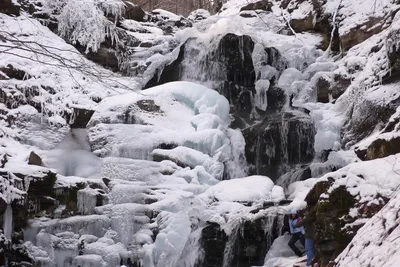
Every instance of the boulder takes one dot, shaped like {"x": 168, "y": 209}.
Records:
{"x": 259, "y": 5}
{"x": 322, "y": 84}
{"x": 80, "y": 117}
{"x": 235, "y": 53}
{"x": 275, "y": 59}
{"x": 34, "y": 159}
{"x": 11, "y": 97}
{"x": 276, "y": 98}
{"x": 9, "y": 7}
{"x": 298, "y": 174}
{"x": 380, "y": 148}
{"x": 133, "y": 11}
{"x": 328, "y": 204}
{"x": 314, "y": 20}
{"x": 339, "y": 85}
{"x": 254, "y": 241}
{"x": 303, "y": 24}
{"x": 106, "y": 57}
{"x": 89, "y": 198}
{"x": 14, "y": 254}
{"x": 38, "y": 198}
{"x": 14, "y": 73}
{"x": 248, "y": 14}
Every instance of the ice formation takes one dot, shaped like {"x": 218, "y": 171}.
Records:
{"x": 153, "y": 169}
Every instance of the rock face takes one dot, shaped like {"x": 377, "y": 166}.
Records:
{"x": 278, "y": 142}
{"x": 361, "y": 33}
{"x": 133, "y": 11}
{"x": 380, "y": 148}
{"x": 329, "y": 204}
{"x": 260, "y": 5}
{"x": 393, "y": 49}
{"x": 80, "y": 118}
{"x": 378, "y": 234}
{"x": 171, "y": 72}
{"x": 14, "y": 73}
{"x": 310, "y": 17}
{"x": 364, "y": 118}
{"x": 330, "y": 240}
{"x": 34, "y": 159}
{"x": 9, "y": 7}
{"x": 246, "y": 246}
{"x": 213, "y": 242}
{"x": 106, "y": 57}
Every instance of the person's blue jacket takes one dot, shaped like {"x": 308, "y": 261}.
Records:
{"x": 293, "y": 229}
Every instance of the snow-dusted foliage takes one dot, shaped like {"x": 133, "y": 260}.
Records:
{"x": 86, "y": 22}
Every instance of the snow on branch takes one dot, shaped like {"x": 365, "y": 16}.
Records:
{"x": 86, "y": 22}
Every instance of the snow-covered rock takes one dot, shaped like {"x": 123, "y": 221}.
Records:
{"x": 376, "y": 243}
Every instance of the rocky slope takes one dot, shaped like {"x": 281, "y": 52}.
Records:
{"x": 301, "y": 95}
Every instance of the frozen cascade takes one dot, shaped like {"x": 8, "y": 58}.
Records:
{"x": 281, "y": 142}
{"x": 168, "y": 246}
{"x": 87, "y": 201}
{"x": 296, "y": 174}
{"x": 73, "y": 157}
{"x": 273, "y": 225}
{"x": 236, "y": 167}
{"x": 8, "y": 222}
{"x": 243, "y": 246}
{"x": 229, "y": 252}
{"x": 199, "y": 65}
{"x": 193, "y": 253}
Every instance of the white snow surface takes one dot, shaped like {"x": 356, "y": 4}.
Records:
{"x": 253, "y": 188}
{"x": 376, "y": 243}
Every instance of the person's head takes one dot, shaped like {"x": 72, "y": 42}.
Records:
{"x": 293, "y": 213}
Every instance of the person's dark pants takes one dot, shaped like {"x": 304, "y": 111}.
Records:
{"x": 293, "y": 240}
